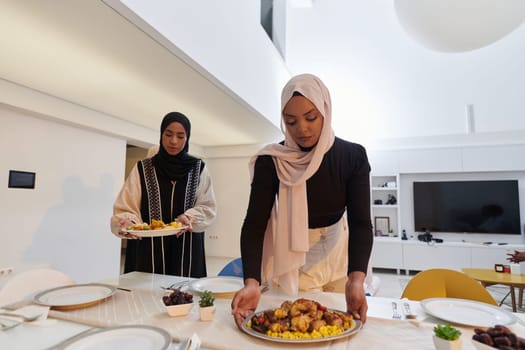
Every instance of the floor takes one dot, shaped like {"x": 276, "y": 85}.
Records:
{"x": 392, "y": 284}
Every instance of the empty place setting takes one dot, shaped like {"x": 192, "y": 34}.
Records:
{"x": 220, "y": 286}
{"x": 75, "y": 296}
{"x": 467, "y": 312}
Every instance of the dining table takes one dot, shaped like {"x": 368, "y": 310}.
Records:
{"x": 137, "y": 300}
{"x": 489, "y": 277}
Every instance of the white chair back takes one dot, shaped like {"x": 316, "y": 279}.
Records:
{"x": 27, "y": 283}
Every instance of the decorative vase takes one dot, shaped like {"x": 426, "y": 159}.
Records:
{"x": 443, "y": 344}
{"x": 207, "y": 313}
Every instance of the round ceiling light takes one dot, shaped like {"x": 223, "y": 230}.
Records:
{"x": 459, "y": 25}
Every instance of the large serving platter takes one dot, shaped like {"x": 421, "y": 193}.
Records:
{"x": 74, "y": 296}
{"x": 220, "y": 286}
{"x": 467, "y": 312}
{"x": 350, "y": 331}
{"x": 132, "y": 337}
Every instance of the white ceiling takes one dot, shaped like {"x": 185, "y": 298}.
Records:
{"x": 86, "y": 53}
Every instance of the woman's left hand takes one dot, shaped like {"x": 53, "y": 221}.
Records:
{"x": 245, "y": 301}
{"x": 356, "y": 303}
{"x": 186, "y": 221}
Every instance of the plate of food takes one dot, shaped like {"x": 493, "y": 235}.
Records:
{"x": 156, "y": 228}
{"x": 301, "y": 321}
{"x": 74, "y": 296}
{"x": 220, "y": 286}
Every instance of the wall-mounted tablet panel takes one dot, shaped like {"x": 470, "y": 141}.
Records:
{"x": 21, "y": 179}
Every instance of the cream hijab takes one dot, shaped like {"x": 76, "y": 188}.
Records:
{"x": 286, "y": 236}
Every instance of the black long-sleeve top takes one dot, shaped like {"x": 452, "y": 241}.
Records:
{"x": 341, "y": 183}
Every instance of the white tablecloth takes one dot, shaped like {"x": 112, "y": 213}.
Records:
{"x": 143, "y": 306}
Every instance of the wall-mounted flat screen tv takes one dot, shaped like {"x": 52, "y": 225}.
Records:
{"x": 467, "y": 206}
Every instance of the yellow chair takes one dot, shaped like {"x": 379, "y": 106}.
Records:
{"x": 444, "y": 283}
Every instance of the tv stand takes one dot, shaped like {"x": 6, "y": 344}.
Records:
{"x": 414, "y": 255}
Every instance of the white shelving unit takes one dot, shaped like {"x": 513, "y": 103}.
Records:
{"x": 441, "y": 164}
{"x": 382, "y": 188}
{"x": 390, "y": 251}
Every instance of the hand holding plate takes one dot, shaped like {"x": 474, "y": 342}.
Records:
{"x": 124, "y": 224}
{"x": 185, "y": 220}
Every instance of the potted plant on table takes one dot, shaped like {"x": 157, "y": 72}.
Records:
{"x": 447, "y": 337}
{"x": 207, "y": 307}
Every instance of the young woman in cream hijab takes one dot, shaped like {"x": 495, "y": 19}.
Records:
{"x": 295, "y": 233}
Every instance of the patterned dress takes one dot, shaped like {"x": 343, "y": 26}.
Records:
{"x": 148, "y": 194}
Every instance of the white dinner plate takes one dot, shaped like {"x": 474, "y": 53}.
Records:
{"x": 123, "y": 337}
{"x": 357, "y": 326}
{"x": 220, "y": 286}
{"x": 157, "y": 233}
{"x": 75, "y": 296}
{"x": 467, "y": 312}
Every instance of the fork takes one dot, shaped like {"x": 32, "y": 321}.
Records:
{"x": 395, "y": 314}
{"x": 177, "y": 285}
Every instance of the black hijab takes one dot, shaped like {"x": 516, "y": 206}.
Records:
{"x": 174, "y": 167}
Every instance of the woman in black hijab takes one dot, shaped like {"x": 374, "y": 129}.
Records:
{"x": 170, "y": 186}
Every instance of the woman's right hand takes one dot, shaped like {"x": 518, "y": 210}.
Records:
{"x": 125, "y": 223}
{"x": 245, "y": 300}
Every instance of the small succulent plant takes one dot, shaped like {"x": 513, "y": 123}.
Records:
{"x": 447, "y": 332}
{"x": 206, "y": 299}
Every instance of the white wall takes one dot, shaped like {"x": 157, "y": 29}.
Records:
{"x": 226, "y": 40}
{"x": 231, "y": 183}
{"x": 64, "y": 222}
{"x": 52, "y": 108}
{"x": 384, "y": 84}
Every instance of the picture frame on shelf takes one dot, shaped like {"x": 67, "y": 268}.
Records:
{"x": 381, "y": 225}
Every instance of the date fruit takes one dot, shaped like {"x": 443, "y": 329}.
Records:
{"x": 177, "y": 297}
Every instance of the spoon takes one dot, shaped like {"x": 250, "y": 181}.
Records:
{"x": 408, "y": 312}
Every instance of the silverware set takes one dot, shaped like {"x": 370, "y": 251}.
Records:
{"x": 406, "y": 310}
{"x": 177, "y": 285}
{"x": 395, "y": 314}
{"x": 13, "y": 319}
